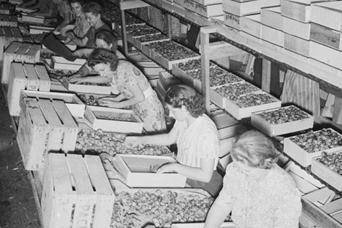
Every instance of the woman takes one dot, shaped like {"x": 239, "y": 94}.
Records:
{"x": 131, "y": 84}
{"x": 81, "y": 25}
{"x": 92, "y": 13}
{"x": 196, "y": 137}
{"x": 256, "y": 191}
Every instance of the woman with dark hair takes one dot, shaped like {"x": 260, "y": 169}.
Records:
{"x": 196, "y": 137}
{"x": 256, "y": 191}
{"x": 92, "y": 11}
{"x": 131, "y": 85}
{"x": 80, "y": 27}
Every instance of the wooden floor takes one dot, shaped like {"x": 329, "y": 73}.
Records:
{"x": 17, "y": 205}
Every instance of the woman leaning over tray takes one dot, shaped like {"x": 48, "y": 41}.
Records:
{"x": 132, "y": 86}
{"x": 196, "y": 137}
{"x": 257, "y": 192}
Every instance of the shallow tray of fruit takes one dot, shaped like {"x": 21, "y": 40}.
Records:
{"x": 234, "y": 91}
{"x": 329, "y": 168}
{"x": 281, "y": 121}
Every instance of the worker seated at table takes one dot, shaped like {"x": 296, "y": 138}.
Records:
{"x": 196, "y": 137}
{"x": 133, "y": 89}
{"x": 256, "y": 190}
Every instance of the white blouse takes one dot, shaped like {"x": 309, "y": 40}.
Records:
{"x": 197, "y": 141}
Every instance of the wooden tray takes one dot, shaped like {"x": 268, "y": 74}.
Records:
{"x": 280, "y": 129}
{"x": 25, "y": 77}
{"x": 74, "y": 104}
{"x": 243, "y": 8}
{"x": 76, "y": 192}
{"x": 19, "y": 52}
{"x": 325, "y": 173}
{"x": 120, "y": 126}
{"x": 60, "y": 63}
{"x": 204, "y": 10}
{"x": 140, "y": 171}
{"x": 36, "y": 29}
{"x": 95, "y": 89}
{"x": 33, "y": 19}
{"x": 44, "y": 125}
{"x": 301, "y": 156}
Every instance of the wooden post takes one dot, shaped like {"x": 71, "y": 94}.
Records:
{"x": 204, "y": 42}
{"x": 123, "y": 30}
{"x": 169, "y": 25}
{"x": 266, "y": 75}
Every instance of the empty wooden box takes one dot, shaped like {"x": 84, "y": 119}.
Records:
{"x": 76, "y": 193}
{"x": 44, "y": 125}
{"x": 113, "y": 120}
{"x": 19, "y": 52}
{"x": 60, "y": 63}
{"x": 25, "y": 77}
{"x": 140, "y": 171}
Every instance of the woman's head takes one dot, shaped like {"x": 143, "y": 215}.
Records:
{"x": 181, "y": 99}
{"x": 76, "y": 6}
{"x": 254, "y": 149}
{"x": 103, "y": 60}
{"x": 106, "y": 39}
{"x": 92, "y": 11}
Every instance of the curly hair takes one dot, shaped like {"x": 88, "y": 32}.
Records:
{"x": 92, "y": 7}
{"x": 108, "y": 37}
{"x": 255, "y": 150}
{"x": 81, "y": 2}
{"x": 179, "y": 95}
{"x": 101, "y": 55}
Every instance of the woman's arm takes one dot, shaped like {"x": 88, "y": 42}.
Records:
{"x": 81, "y": 42}
{"x": 217, "y": 214}
{"x": 83, "y": 52}
{"x": 92, "y": 79}
{"x": 67, "y": 28}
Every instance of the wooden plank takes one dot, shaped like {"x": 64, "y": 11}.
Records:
{"x": 245, "y": 8}
{"x": 325, "y": 36}
{"x": 16, "y": 84}
{"x": 44, "y": 79}
{"x": 325, "y": 54}
{"x": 31, "y": 75}
{"x": 296, "y": 28}
{"x": 251, "y": 25}
{"x": 328, "y": 14}
{"x": 132, "y": 4}
{"x": 295, "y": 10}
{"x": 221, "y": 49}
{"x": 206, "y": 11}
{"x": 272, "y": 35}
{"x": 297, "y": 45}
{"x": 266, "y": 75}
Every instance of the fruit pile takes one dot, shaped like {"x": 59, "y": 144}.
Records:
{"x": 332, "y": 160}
{"x": 284, "y": 115}
{"x": 172, "y": 50}
{"x": 315, "y": 141}
{"x": 161, "y": 207}
{"x": 152, "y": 37}
{"x": 250, "y": 100}
{"x": 141, "y": 30}
{"x": 113, "y": 143}
{"x": 234, "y": 91}
{"x": 116, "y": 116}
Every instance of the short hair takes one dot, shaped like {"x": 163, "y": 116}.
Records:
{"x": 92, "y": 7}
{"x": 101, "y": 55}
{"x": 179, "y": 95}
{"x": 81, "y": 2}
{"x": 108, "y": 37}
{"x": 255, "y": 150}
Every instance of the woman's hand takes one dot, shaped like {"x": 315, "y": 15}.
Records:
{"x": 169, "y": 168}
{"x": 109, "y": 102}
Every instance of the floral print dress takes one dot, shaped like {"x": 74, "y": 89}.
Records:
{"x": 151, "y": 110}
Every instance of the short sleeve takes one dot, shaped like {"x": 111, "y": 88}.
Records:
{"x": 208, "y": 146}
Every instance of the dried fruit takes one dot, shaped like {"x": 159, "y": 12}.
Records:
{"x": 332, "y": 160}
{"x": 153, "y": 37}
{"x": 250, "y": 100}
{"x": 140, "y": 30}
{"x": 284, "y": 115}
{"x": 234, "y": 91}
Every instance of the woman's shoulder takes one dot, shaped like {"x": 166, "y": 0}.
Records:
{"x": 206, "y": 123}
{"x": 281, "y": 180}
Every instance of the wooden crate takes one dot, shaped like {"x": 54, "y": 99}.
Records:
{"x": 328, "y": 14}
{"x": 74, "y": 104}
{"x": 204, "y": 10}
{"x": 280, "y": 129}
{"x": 164, "y": 62}
{"x": 301, "y": 156}
{"x": 60, "y": 63}
{"x": 138, "y": 44}
{"x": 326, "y": 36}
{"x": 297, "y": 45}
{"x": 272, "y": 35}
{"x": 37, "y": 29}
{"x": 232, "y": 20}
{"x": 272, "y": 17}
{"x": 33, "y": 19}
{"x": 251, "y": 25}
{"x": 200, "y": 225}
{"x": 95, "y": 89}
{"x": 8, "y": 35}
{"x": 19, "y": 52}
{"x": 96, "y": 115}
{"x": 296, "y": 28}
{"x": 247, "y": 7}
{"x": 140, "y": 171}
{"x": 76, "y": 192}
{"x": 44, "y": 125}
{"x": 240, "y": 113}
{"x": 296, "y": 10}
{"x": 25, "y": 77}
{"x": 325, "y": 173}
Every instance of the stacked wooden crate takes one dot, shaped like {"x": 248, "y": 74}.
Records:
{"x": 272, "y": 26}
{"x": 204, "y": 8}
{"x": 44, "y": 125}
{"x": 7, "y": 35}
{"x": 25, "y": 77}
{"x": 18, "y": 52}
{"x": 245, "y": 15}
{"x": 76, "y": 192}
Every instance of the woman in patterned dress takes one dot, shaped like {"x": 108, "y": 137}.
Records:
{"x": 131, "y": 85}
{"x": 257, "y": 192}
{"x": 196, "y": 137}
